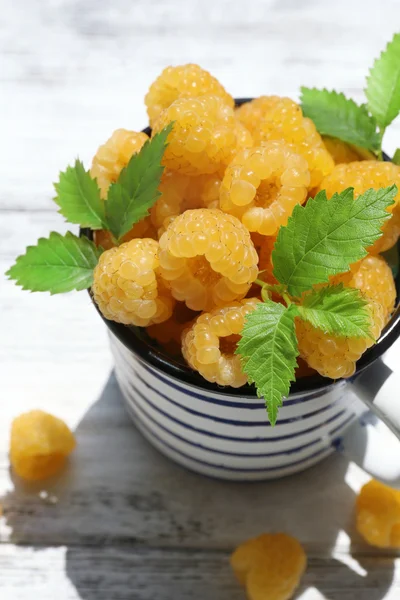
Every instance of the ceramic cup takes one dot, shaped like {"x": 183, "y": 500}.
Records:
{"x": 224, "y": 432}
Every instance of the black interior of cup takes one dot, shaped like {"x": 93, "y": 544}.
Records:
{"x": 137, "y": 340}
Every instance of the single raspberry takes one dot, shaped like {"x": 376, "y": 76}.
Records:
{"x": 373, "y": 276}
{"x": 340, "y": 151}
{"x": 378, "y": 515}
{"x": 184, "y": 81}
{"x": 276, "y": 118}
{"x": 336, "y": 356}
{"x": 262, "y": 185}
{"x": 208, "y": 258}
{"x": 363, "y": 175}
{"x": 115, "y": 154}
{"x": 252, "y": 113}
{"x": 39, "y": 445}
{"x": 270, "y": 566}
{"x": 142, "y": 229}
{"x": 127, "y": 287}
{"x": 209, "y": 345}
{"x": 205, "y": 135}
{"x": 168, "y": 334}
{"x": 180, "y": 193}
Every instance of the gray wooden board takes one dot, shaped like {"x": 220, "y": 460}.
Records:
{"x": 123, "y": 522}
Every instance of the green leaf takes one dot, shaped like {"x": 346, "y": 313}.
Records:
{"x": 325, "y": 237}
{"x": 396, "y": 157}
{"x": 337, "y": 310}
{"x": 268, "y": 348}
{"x": 78, "y": 197}
{"x": 340, "y": 117}
{"x": 136, "y": 190}
{"x": 383, "y": 84}
{"x": 56, "y": 264}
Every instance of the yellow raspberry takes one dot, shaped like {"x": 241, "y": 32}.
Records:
{"x": 269, "y": 566}
{"x": 373, "y": 276}
{"x": 262, "y": 185}
{"x": 209, "y": 344}
{"x": 205, "y": 135}
{"x": 336, "y": 356}
{"x": 127, "y": 286}
{"x": 208, "y": 258}
{"x": 143, "y": 229}
{"x": 184, "y": 81}
{"x": 180, "y": 193}
{"x": 169, "y": 333}
{"x": 114, "y": 155}
{"x": 276, "y": 118}
{"x": 39, "y": 445}
{"x": 363, "y": 175}
{"x": 378, "y": 515}
{"x": 252, "y": 113}
{"x": 340, "y": 151}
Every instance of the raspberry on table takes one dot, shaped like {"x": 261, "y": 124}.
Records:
{"x": 362, "y": 176}
{"x": 114, "y": 155}
{"x": 270, "y": 566}
{"x": 184, "y": 81}
{"x": 127, "y": 286}
{"x": 209, "y": 345}
{"x": 263, "y": 184}
{"x": 340, "y": 151}
{"x": 205, "y": 135}
{"x": 208, "y": 258}
{"x": 39, "y": 445}
{"x": 378, "y": 514}
{"x": 275, "y": 118}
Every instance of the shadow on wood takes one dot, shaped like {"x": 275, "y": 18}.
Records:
{"x": 138, "y": 526}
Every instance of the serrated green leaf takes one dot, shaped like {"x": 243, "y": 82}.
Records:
{"x": 78, "y": 197}
{"x": 136, "y": 190}
{"x": 337, "y": 310}
{"x": 56, "y": 264}
{"x": 396, "y": 157}
{"x": 340, "y": 117}
{"x": 268, "y": 348}
{"x": 383, "y": 84}
{"x": 325, "y": 237}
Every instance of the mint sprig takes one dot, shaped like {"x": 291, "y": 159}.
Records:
{"x": 325, "y": 237}
{"x": 59, "y": 263}
{"x": 268, "y": 347}
{"x": 78, "y": 197}
{"x": 336, "y": 310}
{"x": 360, "y": 125}
{"x": 383, "y": 85}
{"x": 136, "y": 190}
{"x": 337, "y": 116}
{"x": 320, "y": 239}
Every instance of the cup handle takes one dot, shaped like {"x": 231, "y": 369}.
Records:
{"x": 379, "y": 388}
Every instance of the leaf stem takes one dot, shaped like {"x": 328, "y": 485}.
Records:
{"x": 381, "y": 133}
{"x": 286, "y": 298}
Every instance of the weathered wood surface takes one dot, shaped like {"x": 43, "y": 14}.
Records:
{"x": 123, "y": 522}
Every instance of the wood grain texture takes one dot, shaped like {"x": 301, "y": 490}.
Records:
{"x": 123, "y": 522}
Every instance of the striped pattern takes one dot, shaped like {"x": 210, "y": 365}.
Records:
{"x": 230, "y": 437}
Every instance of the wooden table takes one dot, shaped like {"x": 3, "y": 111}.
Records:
{"x": 122, "y": 522}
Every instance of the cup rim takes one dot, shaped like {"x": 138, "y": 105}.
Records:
{"x": 141, "y": 345}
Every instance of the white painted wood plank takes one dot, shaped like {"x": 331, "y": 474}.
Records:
{"x": 72, "y": 72}
{"x": 105, "y": 573}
